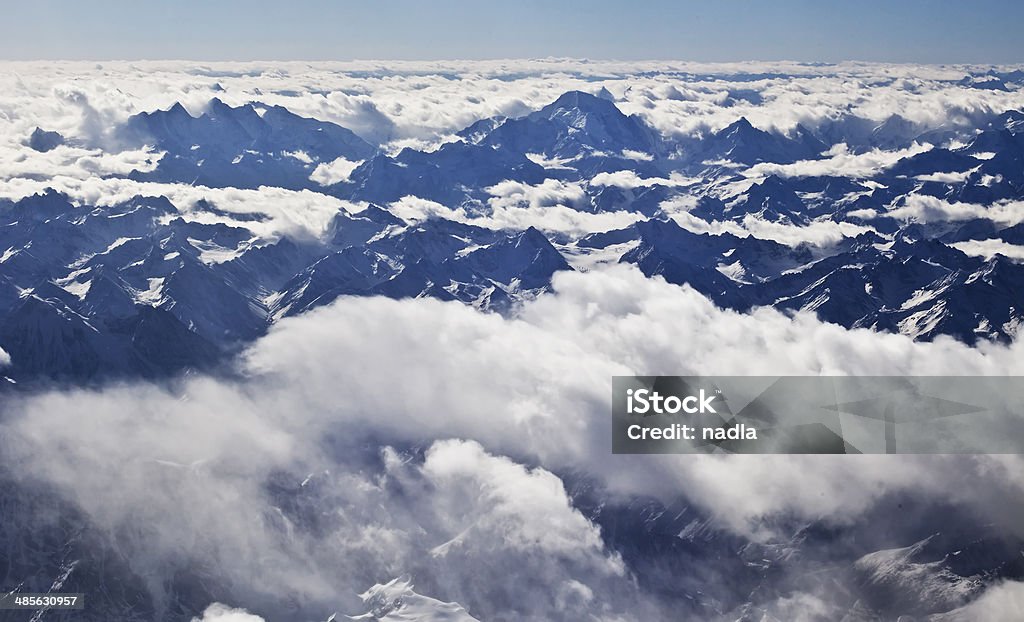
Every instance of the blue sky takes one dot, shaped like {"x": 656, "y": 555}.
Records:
{"x": 985, "y": 31}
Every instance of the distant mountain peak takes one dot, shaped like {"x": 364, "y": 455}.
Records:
{"x": 239, "y": 147}
{"x": 44, "y": 141}
{"x": 532, "y": 236}
{"x": 576, "y": 125}
{"x": 742, "y": 124}
{"x": 582, "y": 101}
{"x": 177, "y": 110}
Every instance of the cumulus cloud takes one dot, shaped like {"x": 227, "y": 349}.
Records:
{"x": 523, "y": 206}
{"x": 300, "y": 214}
{"x": 545, "y": 194}
{"x": 990, "y": 248}
{"x": 557, "y": 219}
{"x": 5, "y": 358}
{"x": 542, "y": 376}
{"x": 839, "y": 161}
{"x": 332, "y": 407}
{"x": 522, "y": 509}
{"x": 821, "y": 233}
{"x": 814, "y": 98}
{"x": 928, "y": 209}
{"x": 329, "y": 173}
{"x": 630, "y": 180}
{"x": 487, "y": 507}
{"x": 414, "y": 209}
{"x": 818, "y": 232}
{"x": 552, "y": 205}
{"x": 1002, "y": 603}
{"x": 74, "y": 162}
{"x": 946, "y": 178}
{"x": 222, "y": 613}
{"x": 637, "y": 155}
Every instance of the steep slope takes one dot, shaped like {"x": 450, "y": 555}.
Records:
{"x": 243, "y": 147}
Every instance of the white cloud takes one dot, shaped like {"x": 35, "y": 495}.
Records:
{"x": 329, "y": 173}
{"x": 84, "y": 101}
{"x": 946, "y": 178}
{"x": 553, "y": 206}
{"x": 1000, "y": 603}
{"x": 839, "y": 162}
{"x": 222, "y": 613}
{"x": 598, "y": 325}
{"x": 927, "y": 209}
{"x": 558, "y": 219}
{"x": 548, "y": 193}
{"x": 413, "y": 209}
{"x": 629, "y": 180}
{"x": 821, "y": 233}
{"x": 190, "y": 461}
{"x": 818, "y": 232}
{"x": 515, "y": 212}
{"x": 990, "y": 248}
{"x": 301, "y": 214}
{"x": 637, "y": 155}
{"x": 75, "y": 162}
{"x": 5, "y": 358}
{"x": 523, "y": 509}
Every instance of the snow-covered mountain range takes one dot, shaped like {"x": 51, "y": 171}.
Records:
{"x": 197, "y": 255}
{"x": 926, "y": 245}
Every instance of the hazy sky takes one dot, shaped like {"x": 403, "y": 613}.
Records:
{"x": 982, "y": 31}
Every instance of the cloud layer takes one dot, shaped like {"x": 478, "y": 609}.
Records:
{"x": 337, "y": 402}
{"x": 375, "y": 437}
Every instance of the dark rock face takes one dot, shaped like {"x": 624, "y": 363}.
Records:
{"x": 44, "y": 141}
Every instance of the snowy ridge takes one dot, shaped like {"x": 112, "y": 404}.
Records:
{"x": 396, "y": 601}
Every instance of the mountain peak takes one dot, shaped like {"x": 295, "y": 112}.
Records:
{"x": 178, "y": 110}
{"x": 584, "y": 102}
{"x": 741, "y": 131}
{"x": 574, "y": 125}
{"x": 742, "y": 124}
{"x": 219, "y": 111}
{"x": 1012, "y": 120}
{"x": 217, "y": 105}
{"x": 533, "y": 236}
{"x": 43, "y": 141}
{"x": 743, "y": 143}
